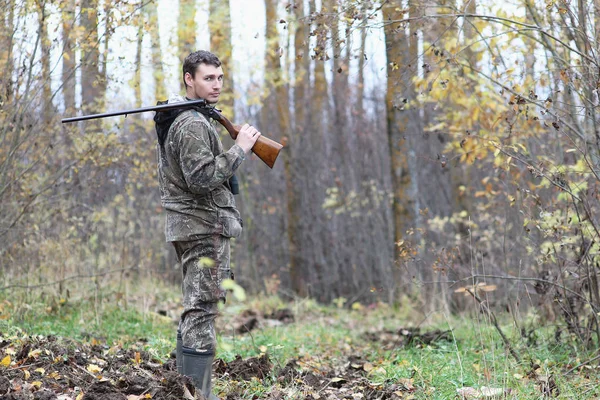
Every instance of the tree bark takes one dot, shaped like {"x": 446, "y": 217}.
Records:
{"x": 103, "y": 62}
{"x": 360, "y": 90}
{"x": 339, "y": 84}
{"x": 320, "y": 87}
{"x": 90, "y": 58}
{"x": 6, "y": 53}
{"x": 160, "y": 91}
{"x": 46, "y": 44}
{"x": 68, "y": 56}
{"x": 219, "y": 25}
{"x": 186, "y": 31}
{"x": 398, "y": 94}
{"x": 301, "y": 66}
{"x": 137, "y": 84}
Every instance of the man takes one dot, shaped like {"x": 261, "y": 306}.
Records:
{"x": 195, "y": 178}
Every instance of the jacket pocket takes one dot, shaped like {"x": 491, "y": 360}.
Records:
{"x": 232, "y": 227}
{"x": 223, "y": 198}
{"x": 229, "y": 216}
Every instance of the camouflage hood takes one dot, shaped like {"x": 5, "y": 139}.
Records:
{"x": 163, "y": 120}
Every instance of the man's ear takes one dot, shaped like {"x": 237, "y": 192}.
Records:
{"x": 188, "y": 79}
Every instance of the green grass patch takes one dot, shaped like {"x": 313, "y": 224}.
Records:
{"x": 475, "y": 356}
{"x": 107, "y": 323}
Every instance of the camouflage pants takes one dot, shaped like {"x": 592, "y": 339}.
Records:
{"x": 205, "y": 264}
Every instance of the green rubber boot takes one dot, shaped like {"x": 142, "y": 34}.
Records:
{"x": 198, "y": 367}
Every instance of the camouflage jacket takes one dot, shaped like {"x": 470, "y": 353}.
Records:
{"x": 193, "y": 173}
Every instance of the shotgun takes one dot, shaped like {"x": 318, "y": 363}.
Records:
{"x": 266, "y": 149}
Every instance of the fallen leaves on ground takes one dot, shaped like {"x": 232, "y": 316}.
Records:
{"x": 349, "y": 380}
{"x": 48, "y": 368}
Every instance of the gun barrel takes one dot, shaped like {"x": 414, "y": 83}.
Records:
{"x": 164, "y": 107}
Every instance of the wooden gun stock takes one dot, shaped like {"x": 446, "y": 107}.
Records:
{"x": 266, "y": 149}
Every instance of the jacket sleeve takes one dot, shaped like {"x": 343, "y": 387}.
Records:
{"x": 202, "y": 170}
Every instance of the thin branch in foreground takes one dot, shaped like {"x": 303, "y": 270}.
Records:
{"x": 495, "y": 323}
{"x": 69, "y": 278}
{"x": 591, "y": 360}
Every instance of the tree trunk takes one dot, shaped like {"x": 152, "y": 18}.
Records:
{"x": 6, "y": 53}
{"x": 360, "y": 90}
{"x": 137, "y": 84}
{"x": 46, "y": 44}
{"x": 186, "y": 31}
{"x": 160, "y": 91}
{"x": 317, "y": 160}
{"x": 103, "y": 62}
{"x": 301, "y": 67}
{"x": 90, "y": 58}
{"x": 68, "y": 56}
{"x": 397, "y": 96}
{"x": 219, "y": 25}
{"x": 339, "y": 83}
{"x": 320, "y": 87}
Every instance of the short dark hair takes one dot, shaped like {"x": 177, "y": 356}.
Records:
{"x": 191, "y": 62}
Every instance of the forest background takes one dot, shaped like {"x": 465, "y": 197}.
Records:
{"x": 432, "y": 148}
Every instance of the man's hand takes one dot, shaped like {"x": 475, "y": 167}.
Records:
{"x": 247, "y": 137}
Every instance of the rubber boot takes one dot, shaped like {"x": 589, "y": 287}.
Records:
{"x": 198, "y": 367}
{"x": 179, "y": 353}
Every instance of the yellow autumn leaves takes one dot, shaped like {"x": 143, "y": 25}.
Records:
{"x": 5, "y": 361}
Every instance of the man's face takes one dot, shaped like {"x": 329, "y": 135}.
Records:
{"x": 205, "y": 84}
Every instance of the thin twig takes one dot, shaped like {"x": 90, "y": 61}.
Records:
{"x": 582, "y": 364}
{"x": 521, "y": 279}
{"x": 69, "y": 278}
{"x": 495, "y": 323}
